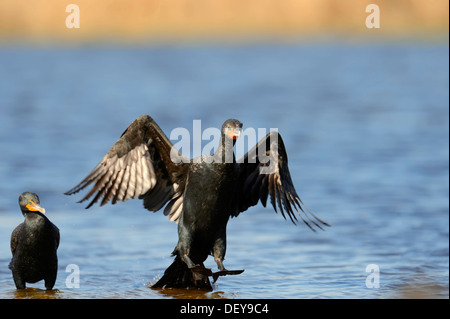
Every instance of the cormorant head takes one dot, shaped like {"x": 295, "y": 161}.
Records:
{"x": 232, "y": 129}
{"x": 29, "y": 202}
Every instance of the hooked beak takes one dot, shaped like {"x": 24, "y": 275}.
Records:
{"x": 32, "y": 206}
{"x": 234, "y": 133}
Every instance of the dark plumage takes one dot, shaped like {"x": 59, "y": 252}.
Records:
{"x": 199, "y": 194}
{"x": 33, "y": 245}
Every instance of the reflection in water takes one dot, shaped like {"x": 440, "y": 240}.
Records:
{"x": 189, "y": 293}
{"x": 418, "y": 286}
{"x": 429, "y": 290}
{"x": 35, "y": 293}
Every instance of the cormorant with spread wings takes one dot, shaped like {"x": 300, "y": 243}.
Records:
{"x": 199, "y": 194}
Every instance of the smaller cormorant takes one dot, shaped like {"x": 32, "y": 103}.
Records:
{"x": 33, "y": 245}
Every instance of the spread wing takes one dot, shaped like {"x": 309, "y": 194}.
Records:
{"x": 264, "y": 172}
{"x": 138, "y": 165}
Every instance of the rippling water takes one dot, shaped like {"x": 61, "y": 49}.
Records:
{"x": 366, "y": 127}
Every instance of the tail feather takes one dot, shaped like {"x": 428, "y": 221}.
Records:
{"x": 178, "y": 275}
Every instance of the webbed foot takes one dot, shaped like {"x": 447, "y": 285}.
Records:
{"x": 225, "y": 272}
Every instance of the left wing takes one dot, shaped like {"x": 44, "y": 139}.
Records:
{"x": 264, "y": 171}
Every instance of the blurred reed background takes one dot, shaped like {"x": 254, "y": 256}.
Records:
{"x": 162, "y": 20}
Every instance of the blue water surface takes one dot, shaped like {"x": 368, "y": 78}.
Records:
{"x": 366, "y": 127}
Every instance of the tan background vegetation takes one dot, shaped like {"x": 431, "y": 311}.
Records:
{"x": 185, "y": 19}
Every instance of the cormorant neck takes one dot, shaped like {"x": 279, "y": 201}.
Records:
{"x": 33, "y": 218}
{"x": 225, "y": 151}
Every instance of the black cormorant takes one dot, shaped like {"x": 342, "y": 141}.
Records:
{"x": 199, "y": 194}
{"x": 33, "y": 245}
